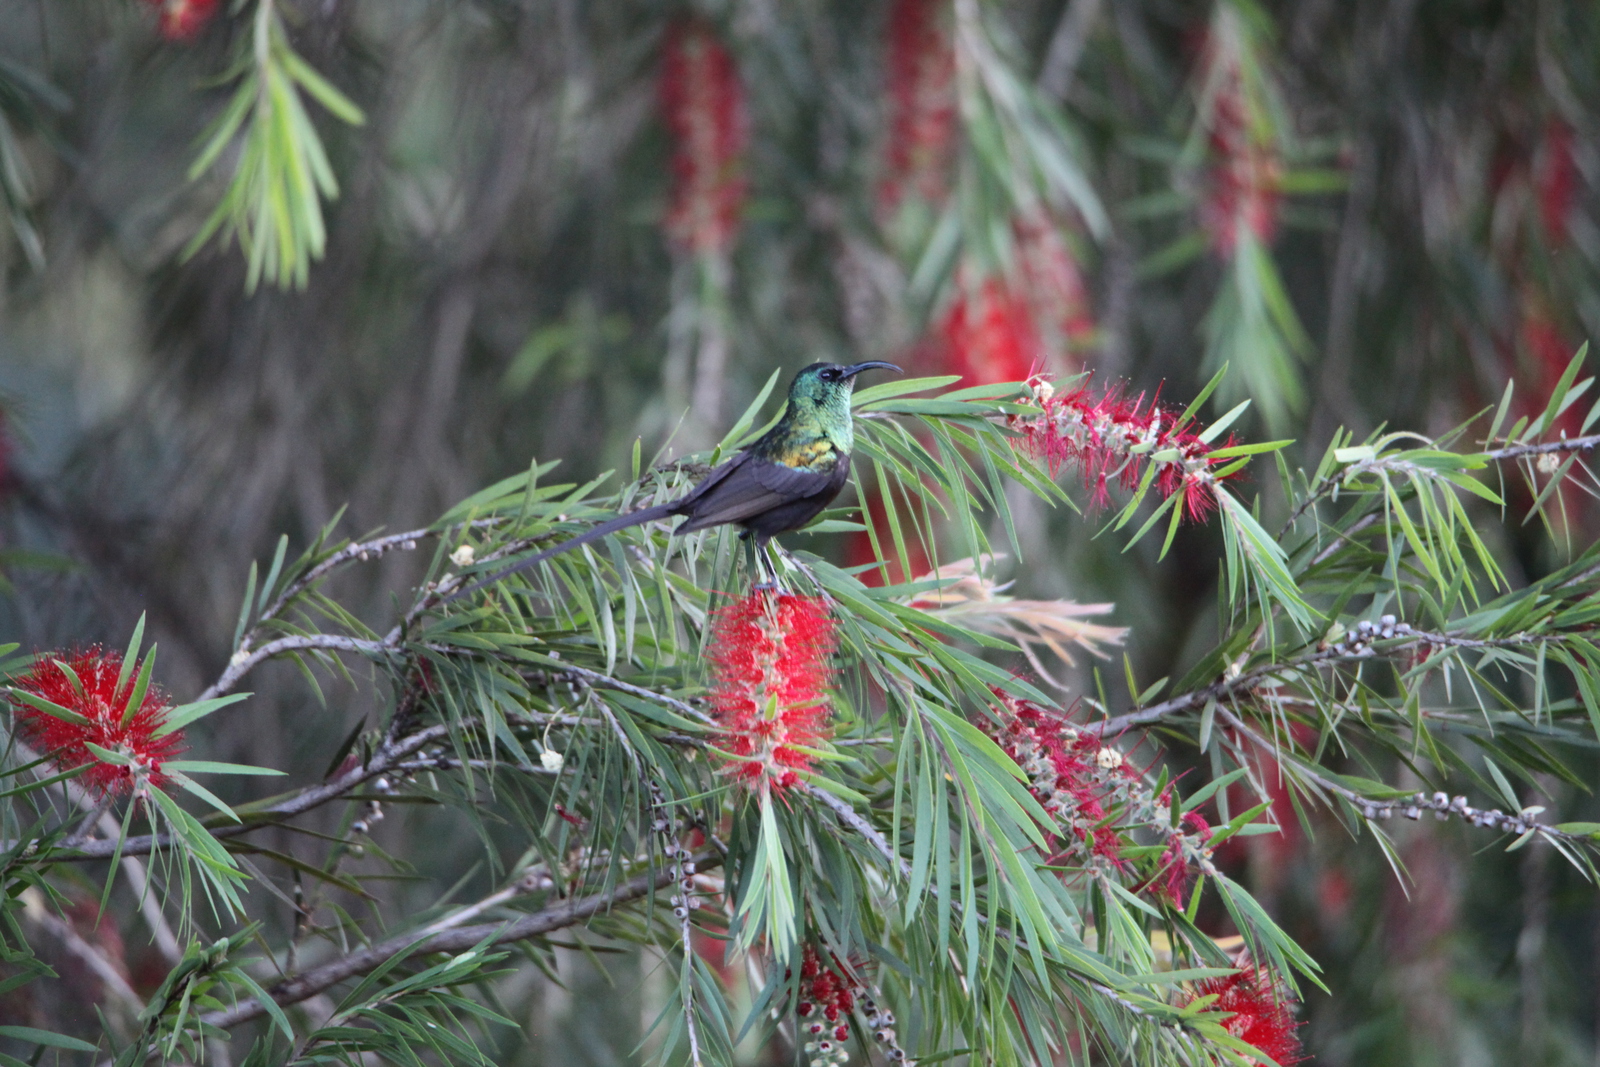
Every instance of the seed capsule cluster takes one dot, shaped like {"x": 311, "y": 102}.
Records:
{"x": 1443, "y": 806}
{"x": 1358, "y": 642}
{"x": 374, "y": 813}
{"x": 881, "y": 1022}
{"x": 827, "y": 999}
{"x": 682, "y": 868}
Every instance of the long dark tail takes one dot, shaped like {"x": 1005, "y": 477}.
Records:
{"x": 610, "y": 526}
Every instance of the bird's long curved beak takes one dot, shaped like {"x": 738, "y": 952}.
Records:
{"x": 856, "y": 368}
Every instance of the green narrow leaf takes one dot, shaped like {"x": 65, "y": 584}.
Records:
{"x": 244, "y": 607}
{"x": 200, "y": 766}
{"x": 48, "y": 707}
{"x": 184, "y": 714}
{"x": 130, "y": 657}
{"x": 273, "y": 571}
{"x": 141, "y": 686}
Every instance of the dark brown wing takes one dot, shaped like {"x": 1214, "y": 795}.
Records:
{"x": 801, "y": 510}
{"x": 746, "y": 487}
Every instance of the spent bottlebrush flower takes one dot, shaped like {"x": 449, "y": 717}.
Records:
{"x": 825, "y": 998}
{"x": 920, "y": 146}
{"x": 1077, "y": 778}
{"x": 1110, "y": 438}
{"x": 182, "y": 20}
{"x": 1171, "y": 880}
{"x": 970, "y": 598}
{"x": 1262, "y": 1011}
{"x": 771, "y": 657}
{"x": 84, "y": 684}
{"x": 703, "y": 102}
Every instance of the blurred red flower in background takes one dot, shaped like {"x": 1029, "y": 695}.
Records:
{"x": 703, "y": 102}
{"x": 989, "y": 336}
{"x": 1556, "y": 180}
{"x": 182, "y": 20}
{"x": 1054, "y": 280}
{"x": 922, "y": 104}
{"x": 1243, "y": 183}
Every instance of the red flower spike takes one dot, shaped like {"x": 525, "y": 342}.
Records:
{"x": 1263, "y": 1011}
{"x": 1098, "y": 435}
{"x": 771, "y": 666}
{"x": 703, "y": 102}
{"x": 922, "y": 104}
{"x": 182, "y": 20}
{"x": 95, "y": 699}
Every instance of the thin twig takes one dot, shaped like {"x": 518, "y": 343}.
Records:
{"x": 1247, "y": 680}
{"x": 1565, "y": 444}
{"x": 605, "y": 681}
{"x": 245, "y": 660}
{"x": 384, "y": 760}
{"x": 458, "y": 939}
{"x": 857, "y": 822}
{"x": 89, "y": 821}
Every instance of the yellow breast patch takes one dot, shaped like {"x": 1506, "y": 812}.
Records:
{"x": 818, "y": 454}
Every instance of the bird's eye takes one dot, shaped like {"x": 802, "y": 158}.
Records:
{"x": 831, "y": 374}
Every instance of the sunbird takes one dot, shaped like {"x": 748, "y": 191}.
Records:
{"x": 778, "y": 484}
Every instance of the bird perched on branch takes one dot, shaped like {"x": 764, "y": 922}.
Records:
{"x": 778, "y": 484}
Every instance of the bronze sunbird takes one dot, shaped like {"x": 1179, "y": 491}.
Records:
{"x": 778, "y": 484}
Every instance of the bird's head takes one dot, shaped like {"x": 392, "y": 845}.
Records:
{"x": 825, "y": 388}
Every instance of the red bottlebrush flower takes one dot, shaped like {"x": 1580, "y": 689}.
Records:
{"x": 771, "y": 665}
{"x": 1098, "y": 435}
{"x": 182, "y": 20}
{"x": 922, "y": 104}
{"x": 95, "y": 699}
{"x": 990, "y": 336}
{"x": 1555, "y": 180}
{"x": 1243, "y": 186}
{"x": 703, "y": 102}
{"x": 1073, "y": 774}
{"x": 1263, "y": 1011}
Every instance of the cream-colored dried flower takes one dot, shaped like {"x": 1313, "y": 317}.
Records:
{"x": 971, "y": 599}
